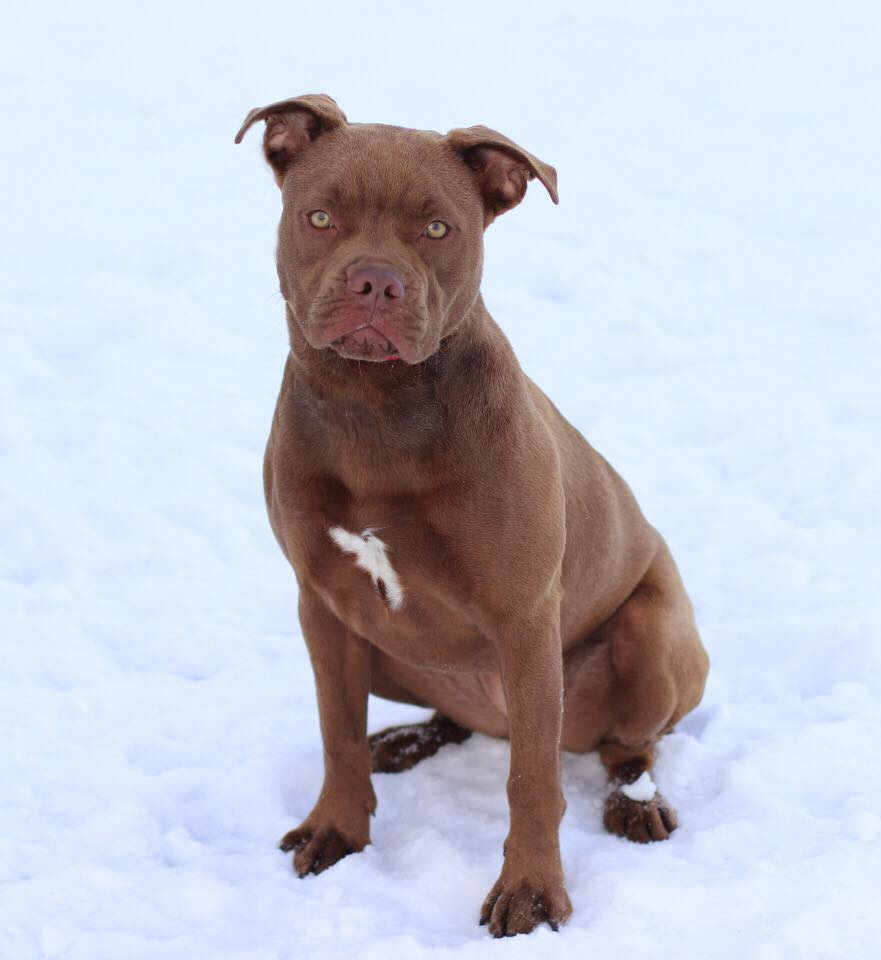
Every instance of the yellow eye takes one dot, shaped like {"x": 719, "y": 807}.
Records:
{"x": 319, "y": 219}
{"x": 436, "y": 229}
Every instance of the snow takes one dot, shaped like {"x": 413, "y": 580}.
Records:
{"x": 642, "y": 789}
{"x": 703, "y": 305}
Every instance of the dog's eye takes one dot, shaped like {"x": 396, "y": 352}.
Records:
{"x": 436, "y": 229}
{"x": 319, "y": 219}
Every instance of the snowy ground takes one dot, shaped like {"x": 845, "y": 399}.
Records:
{"x": 704, "y": 305}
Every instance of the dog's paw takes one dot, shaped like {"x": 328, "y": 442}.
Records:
{"x": 399, "y": 748}
{"x": 642, "y": 821}
{"x": 316, "y": 849}
{"x": 519, "y": 907}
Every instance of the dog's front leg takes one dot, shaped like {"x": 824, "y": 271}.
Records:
{"x": 531, "y": 888}
{"x": 339, "y": 823}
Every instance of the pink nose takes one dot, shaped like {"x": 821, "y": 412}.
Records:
{"x": 378, "y": 283}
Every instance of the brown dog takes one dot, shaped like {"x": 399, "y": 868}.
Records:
{"x": 457, "y": 543}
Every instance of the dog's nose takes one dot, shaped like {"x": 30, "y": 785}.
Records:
{"x": 379, "y": 283}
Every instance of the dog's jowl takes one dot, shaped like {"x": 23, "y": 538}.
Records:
{"x": 456, "y": 542}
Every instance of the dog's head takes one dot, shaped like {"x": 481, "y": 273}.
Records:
{"x": 381, "y": 236}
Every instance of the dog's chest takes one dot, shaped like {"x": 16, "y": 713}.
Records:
{"x": 397, "y": 583}
{"x": 379, "y": 571}
{"x": 370, "y": 554}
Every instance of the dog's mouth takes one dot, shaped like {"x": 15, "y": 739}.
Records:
{"x": 365, "y": 343}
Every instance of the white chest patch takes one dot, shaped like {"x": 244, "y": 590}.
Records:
{"x": 371, "y": 555}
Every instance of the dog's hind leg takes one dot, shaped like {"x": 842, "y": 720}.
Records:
{"x": 660, "y": 667}
{"x": 399, "y": 748}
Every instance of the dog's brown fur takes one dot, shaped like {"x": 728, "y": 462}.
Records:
{"x": 539, "y": 604}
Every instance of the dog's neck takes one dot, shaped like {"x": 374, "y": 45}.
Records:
{"x": 421, "y": 422}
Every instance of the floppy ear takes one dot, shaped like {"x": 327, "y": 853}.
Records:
{"x": 292, "y": 125}
{"x": 501, "y": 167}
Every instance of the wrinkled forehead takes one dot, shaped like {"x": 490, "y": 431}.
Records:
{"x": 384, "y": 169}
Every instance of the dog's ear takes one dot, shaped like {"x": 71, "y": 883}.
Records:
{"x": 291, "y": 125}
{"x": 502, "y": 169}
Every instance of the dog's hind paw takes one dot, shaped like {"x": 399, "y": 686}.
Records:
{"x": 641, "y": 821}
{"x": 399, "y": 748}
